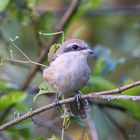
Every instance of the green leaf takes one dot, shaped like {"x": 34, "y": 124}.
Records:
{"x": 3, "y": 86}
{"x": 98, "y": 83}
{"x": 3, "y": 4}
{"x": 11, "y": 98}
{"x": 44, "y": 88}
{"x": 132, "y": 107}
{"x": 46, "y": 22}
{"x": 102, "y": 83}
{"x": 39, "y": 138}
{"x": 99, "y": 66}
{"x": 25, "y": 133}
{"x": 86, "y": 6}
{"x": 31, "y": 3}
{"x": 53, "y": 138}
{"x": 16, "y": 132}
{"x": 132, "y": 91}
{"x": 52, "y": 51}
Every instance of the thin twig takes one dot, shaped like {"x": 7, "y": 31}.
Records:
{"x": 97, "y": 95}
{"x": 120, "y": 89}
{"x": 19, "y": 64}
{"x": 22, "y": 65}
{"x": 63, "y": 23}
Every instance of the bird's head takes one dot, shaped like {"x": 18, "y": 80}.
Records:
{"x": 74, "y": 45}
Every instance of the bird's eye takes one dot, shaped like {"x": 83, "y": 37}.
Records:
{"x": 75, "y": 47}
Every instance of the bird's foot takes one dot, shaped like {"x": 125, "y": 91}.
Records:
{"x": 77, "y": 99}
{"x": 56, "y": 104}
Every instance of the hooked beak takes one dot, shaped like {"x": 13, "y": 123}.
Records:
{"x": 91, "y": 52}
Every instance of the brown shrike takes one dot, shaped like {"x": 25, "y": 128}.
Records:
{"x": 69, "y": 72}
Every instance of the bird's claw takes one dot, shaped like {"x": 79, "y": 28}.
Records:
{"x": 77, "y": 99}
{"x": 56, "y": 104}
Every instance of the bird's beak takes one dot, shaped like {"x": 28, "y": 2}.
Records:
{"x": 91, "y": 52}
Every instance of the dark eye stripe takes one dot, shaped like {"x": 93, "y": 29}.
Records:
{"x": 74, "y": 48}
{"x": 83, "y": 48}
{"x": 68, "y": 49}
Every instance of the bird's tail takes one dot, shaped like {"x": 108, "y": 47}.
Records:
{"x": 78, "y": 111}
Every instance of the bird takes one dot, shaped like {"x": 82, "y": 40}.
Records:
{"x": 69, "y": 72}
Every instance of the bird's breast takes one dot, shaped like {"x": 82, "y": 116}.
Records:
{"x": 67, "y": 74}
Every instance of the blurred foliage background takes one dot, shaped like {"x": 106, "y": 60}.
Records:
{"x": 111, "y": 27}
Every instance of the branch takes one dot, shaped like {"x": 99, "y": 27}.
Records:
{"x": 18, "y": 64}
{"x": 98, "y": 95}
{"x": 63, "y": 23}
{"x": 120, "y": 89}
